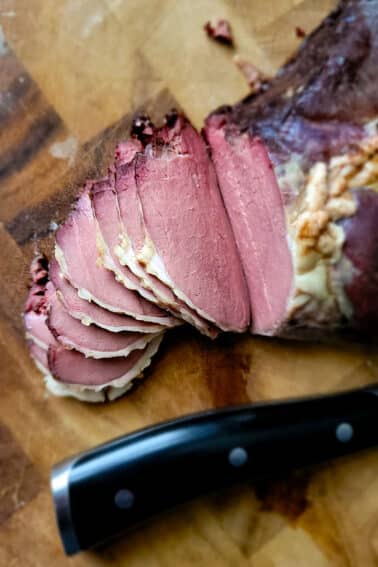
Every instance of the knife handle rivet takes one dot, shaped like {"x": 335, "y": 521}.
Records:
{"x": 344, "y": 432}
{"x": 124, "y": 499}
{"x": 237, "y": 457}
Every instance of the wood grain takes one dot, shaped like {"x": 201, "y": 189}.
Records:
{"x": 72, "y": 73}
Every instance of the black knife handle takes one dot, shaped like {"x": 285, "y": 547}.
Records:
{"x": 117, "y": 485}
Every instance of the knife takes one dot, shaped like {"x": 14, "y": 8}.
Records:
{"x": 114, "y": 487}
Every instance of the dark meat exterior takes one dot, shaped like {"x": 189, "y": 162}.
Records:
{"x": 220, "y": 31}
{"x": 308, "y": 141}
{"x": 189, "y": 242}
{"x": 361, "y": 250}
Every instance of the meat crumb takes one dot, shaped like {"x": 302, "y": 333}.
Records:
{"x": 220, "y": 31}
{"x": 255, "y": 78}
{"x": 300, "y": 32}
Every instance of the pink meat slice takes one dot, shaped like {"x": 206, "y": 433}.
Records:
{"x": 71, "y": 367}
{"x": 81, "y": 377}
{"x": 106, "y": 212}
{"x": 256, "y": 211}
{"x": 37, "y": 330}
{"x": 127, "y": 214}
{"x": 40, "y": 356}
{"x": 90, "y": 313}
{"x": 76, "y": 253}
{"x": 91, "y": 341}
{"x": 134, "y": 233}
{"x": 185, "y": 218}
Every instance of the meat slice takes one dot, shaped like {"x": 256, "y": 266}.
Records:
{"x": 132, "y": 240}
{"x": 220, "y": 30}
{"x": 71, "y": 367}
{"x": 36, "y": 329}
{"x": 76, "y": 253}
{"x": 104, "y": 202}
{"x": 86, "y": 379}
{"x": 189, "y": 242}
{"x": 132, "y": 236}
{"x": 91, "y": 314}
{"x": 39, "y": 354}
{"x": 289, "y": 161}
{"x": 91, "y": 341}
{"x": 106, "y": 212}
{"x": 255, "y": 207}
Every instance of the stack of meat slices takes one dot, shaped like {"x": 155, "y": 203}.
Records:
{"x": 144, "y": 249}
{"x": 83, "y": 350}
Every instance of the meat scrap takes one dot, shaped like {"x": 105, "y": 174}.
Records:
{"x": 254, "y": 76}
{"x": 300, "y": 32}
{"x": 221, "y": 31}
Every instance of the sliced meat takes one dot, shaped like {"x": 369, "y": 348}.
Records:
{"x": 104, "y": 202}
{"x": 288, "y": 161}
{"x": 71, "y": 367}
{"x": 132, "y": 236}
{"x": 132, "y": 241}
{"x": 39, "y": 354}
{"x": 290, "y": 235}
{"x": 106, "y": 212}
{"x": 76, "y": 253}
{"x": 91, "y": 341}
{"x": 255, "y": 207}
{"x": 57, "y": 388}
{"x": 91, "y": 314}
{"x": 132, "y": 233}
{"x": 37, "y": 330}
{"x": 189, "y": 241}
{"x": 94, "y": 380}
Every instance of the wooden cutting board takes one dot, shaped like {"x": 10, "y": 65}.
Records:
{"x": 72, "y": 73}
